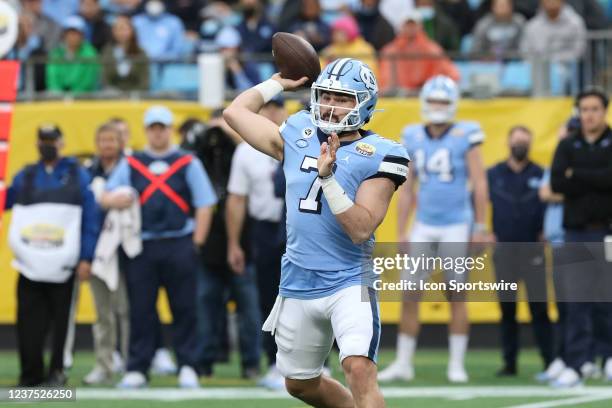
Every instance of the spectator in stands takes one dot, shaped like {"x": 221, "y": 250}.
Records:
{"x": 251, "y": 195}
{"x": 97, "y": 31}
{"x": 499, "y": 32}
{"x": 73, "y": 65}
{"x": 240, "y": 75}
{"x": 518, "y": 218}
{"x": 160, "y": 34}
{"x": 526, "y": 8}
{"x": 557, "y": 33}
{"x": 310, "y": 26}
{"x": 216, "y": 148}
{"x": 188, "y": 11}
{"x": 582, "y": 172}
{"x": 44, "y": 26}
{"x": 128, "y": 7}
{"x": 125, "y": 63}
{"x": 58, "y": 10}
{"x": 176, "y": 214}
{"x": 438, "y": 25}
{"x": 373, "y": 25}
{"x": 256, "y": 31}
{"x": 53, "y": 232}
{"x": 460, "y": 12}
{"x": 347, "y": 42}
{"x": 403, "y": 63}
{"x": 29, "y": 45}
{"x": 215, "y": 17}
{"x": 111, "y": 303}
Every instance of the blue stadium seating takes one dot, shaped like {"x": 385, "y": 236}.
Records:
{"x": 176, "y": 77}
{"x": 516, "y": 76}
{"x": 468, "y": 69}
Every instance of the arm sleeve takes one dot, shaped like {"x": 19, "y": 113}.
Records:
{"x": 478, "y": 38}
{"x": 238, "y": 180}
{"x": 475, "y": 137}
{"x": 177, "y": 48}
{"x": 90, "y": 221}
{"x": 120, "y": 176}
{"x": 11, "y": 192}
{"x": 576, "y": 46}
{"x": 490, "y": 177}
{"x": 90, "y": 72}
{"x": 203, "y": 194}
{"x": 600, "y": 178}
{"x": 394, "y": 166}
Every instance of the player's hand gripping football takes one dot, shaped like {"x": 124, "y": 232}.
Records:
{"x": 289, "y": 84}
{"x": 327, "y": 158}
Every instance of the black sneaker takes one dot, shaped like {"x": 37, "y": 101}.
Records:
{"x": 506, "y": 371}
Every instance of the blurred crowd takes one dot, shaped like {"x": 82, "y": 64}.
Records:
{"x": 88, "y": 45}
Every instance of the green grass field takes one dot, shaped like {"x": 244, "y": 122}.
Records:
{"x": 430, "y": 389}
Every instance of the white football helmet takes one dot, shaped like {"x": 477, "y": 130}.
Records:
{"x": 439, "y": 89}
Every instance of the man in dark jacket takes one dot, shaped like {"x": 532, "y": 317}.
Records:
{"x": 53, "y": 233}
{"x": 518, "y": 217}
{"x": 582, "y": 172}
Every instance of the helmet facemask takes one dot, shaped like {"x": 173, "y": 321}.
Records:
{"x": 324, "y": 120}
{"x": 438, "y": 111}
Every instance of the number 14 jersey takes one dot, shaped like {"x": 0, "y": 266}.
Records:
{"x": 319, "y": 252}
{"x": 441, "y": 166}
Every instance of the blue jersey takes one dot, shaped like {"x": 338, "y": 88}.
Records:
{"x": 321, "y": 258}
{"x": 441, "y": 167}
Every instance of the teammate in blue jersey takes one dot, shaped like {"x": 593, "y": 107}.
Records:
{"x": 447, "y": 159}
{"x": 340, "y": 180}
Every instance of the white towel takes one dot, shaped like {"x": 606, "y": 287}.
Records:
{"x": 272, "y": 320}
{"x": 121, "y": 227}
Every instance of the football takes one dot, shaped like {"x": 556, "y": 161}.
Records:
{"x": 295, "y": 57}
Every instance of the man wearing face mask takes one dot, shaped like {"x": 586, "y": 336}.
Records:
{"x": 438, "y": 25}
{"x": 160, "y": 34}
{"x": 53, "y": 233}
{"x": 518, "y": 217}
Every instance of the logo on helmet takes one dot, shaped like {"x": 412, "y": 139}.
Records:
{"x": 368, "y": 78}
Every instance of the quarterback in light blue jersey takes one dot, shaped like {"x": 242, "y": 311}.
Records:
{"x": 340, "y": 180}
{"x": 447, "y": 160}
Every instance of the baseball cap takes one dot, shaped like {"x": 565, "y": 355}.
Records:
{"x": 158, "y": 114}
{"x": 49, "y": 131}
{"x": 74, "y": 23}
